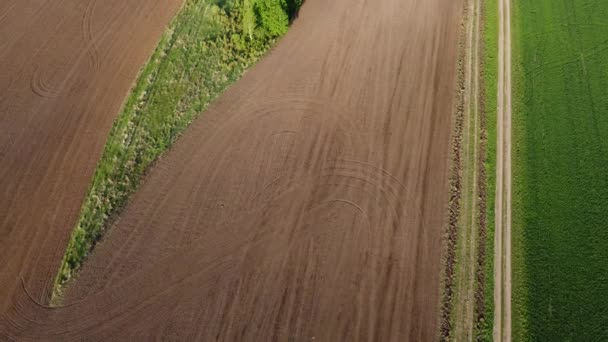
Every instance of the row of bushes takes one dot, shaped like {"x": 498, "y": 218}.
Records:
{"x": 262, "y": 19}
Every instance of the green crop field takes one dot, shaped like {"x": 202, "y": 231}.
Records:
{"x": 207, "y": 47}
{"x": 560, "y": 227}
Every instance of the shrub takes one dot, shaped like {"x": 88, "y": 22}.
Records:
{"x": 271, "y": 16}
{"x": 292, "y": 8}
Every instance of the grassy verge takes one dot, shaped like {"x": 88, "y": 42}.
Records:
{"x": 464, "y": 281}
{"x": 449, "y": 242}
{"x": 208, "y": 46}
{"x": 560, "y": 227}
{"x": 489, "y": 81}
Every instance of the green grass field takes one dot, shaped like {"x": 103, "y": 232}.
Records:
{"x": 560, "y": 227}
{"x": 207, "y": 47}
{"x": 489, "y": 74}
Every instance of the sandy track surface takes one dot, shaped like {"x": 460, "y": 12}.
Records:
{"x": 65, "y": 67}
{"x": 502, "y": 254}
{"x": 307, "y": 203}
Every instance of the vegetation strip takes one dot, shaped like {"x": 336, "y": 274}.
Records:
{"x": 488, "y": 109}
{"x": 454, "y": 205}
{"x": 483, "y": 264}
{"x": 560, "y": 227}
{"x": 468, "y": 213}
{"x": 207, "y": 47}
{"x": 468, "y": 221}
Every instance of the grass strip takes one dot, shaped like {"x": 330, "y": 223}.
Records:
{"x": 488, "y": 108}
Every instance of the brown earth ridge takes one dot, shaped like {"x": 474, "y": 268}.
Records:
{"x": 308, "y": 202}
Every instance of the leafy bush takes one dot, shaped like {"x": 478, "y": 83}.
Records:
{"x": 272, "y": 16}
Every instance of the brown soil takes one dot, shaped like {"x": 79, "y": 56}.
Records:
{"x": 65, "y": 67}
{"x": 307, "y": 203}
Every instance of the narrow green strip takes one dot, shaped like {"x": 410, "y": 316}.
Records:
{"x": 489, "y": 71}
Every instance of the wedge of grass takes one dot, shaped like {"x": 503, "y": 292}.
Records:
{"x": 207, "y": 47}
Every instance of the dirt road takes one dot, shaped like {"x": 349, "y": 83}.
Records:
{"x": 65, "y": 67}
{"x": 307, "y": 203}
{"x": 502, "y": 254}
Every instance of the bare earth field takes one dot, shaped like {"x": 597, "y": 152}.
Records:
{"x": 65, "y": 67}
{"x": 307, "y": 203}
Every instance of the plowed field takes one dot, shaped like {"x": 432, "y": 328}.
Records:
{"x": 308, "y": 202}
{"x": 65, "y": 67}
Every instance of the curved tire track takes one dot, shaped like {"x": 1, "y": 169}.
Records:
{"x": 87, "y": 31}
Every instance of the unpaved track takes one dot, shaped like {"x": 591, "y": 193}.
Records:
{"x": 307, "y": 202}
{"x": 65, "y": 68}
{"x": 502, "y": 254}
